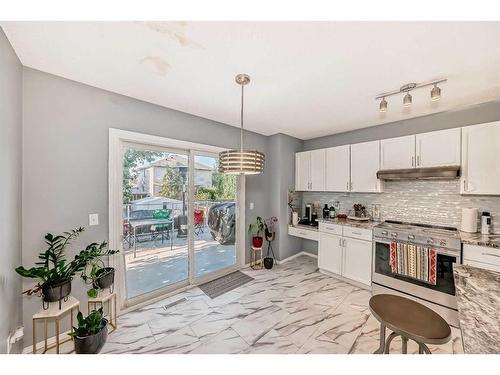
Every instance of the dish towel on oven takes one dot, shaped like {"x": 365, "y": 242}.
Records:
{"x": 413, "y": 261}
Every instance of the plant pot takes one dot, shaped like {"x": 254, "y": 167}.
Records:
{"x": 92, "y": 344}
{"x": 270, "y": 236}
{"x": 257, "y": 241}
{"x": 268, "y": 263}
{"x": 56, "y": 292}
{"x": 105, "y": 278}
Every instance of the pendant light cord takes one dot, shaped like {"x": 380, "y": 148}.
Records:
{"x": 241, "y": 131}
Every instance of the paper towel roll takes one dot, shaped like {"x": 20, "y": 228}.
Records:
{"x": 469, "y": 220}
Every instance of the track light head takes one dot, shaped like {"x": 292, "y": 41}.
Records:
{"x": 383, "y": 106}
{"x": 407, "y": 100}
{"x": 435, "y": 93}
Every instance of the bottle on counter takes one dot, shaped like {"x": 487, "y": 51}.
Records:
{"x": 332, "y": 212}
{"x": 326, "y": 212}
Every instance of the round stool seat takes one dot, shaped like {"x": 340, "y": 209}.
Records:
{"x": 410, "y": 319}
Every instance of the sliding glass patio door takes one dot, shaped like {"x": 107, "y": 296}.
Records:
{"x": 178, "y": 220}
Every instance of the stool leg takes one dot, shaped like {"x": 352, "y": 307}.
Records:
{"x": 404, "y": 347}
{"x": 57, "y": 336}
{"x": 381, "y": 348}
{"x": 422, "y": 348}
{"x": 45, "y": 335}
{"x": 391, "y": 337}
{"x": 34, "y": 337}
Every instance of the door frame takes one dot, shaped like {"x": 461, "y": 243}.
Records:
{"x": 117, "y": 139}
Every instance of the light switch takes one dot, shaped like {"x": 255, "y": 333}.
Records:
{"x": 93, "y": 219}
{"x": 251, "y": 205}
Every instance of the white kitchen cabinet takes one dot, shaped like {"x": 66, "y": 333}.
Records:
{"x": 481, "y": 257}
{"x": 302, "y": 171}
{"x": 357, "y": 260}
{"x": 310, "y": 170}
{"x": 439, "y": 148}
{"x": 337, "y": 168}
{"x": 397, "y": 153}
{"x": 317, "y": 170}
{"x": 365, "y": 163}
{"x": 330, "y": 253}
{"x": 481, "y": 159}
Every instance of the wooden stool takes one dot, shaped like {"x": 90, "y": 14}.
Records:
{"x": 53, "y": 313}
{"x": 104, "y": 296}
{"x": 410, "y": 320}
{"x": 256, "y": 261}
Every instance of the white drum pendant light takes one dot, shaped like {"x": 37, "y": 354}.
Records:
{"x": 241, "y": 161}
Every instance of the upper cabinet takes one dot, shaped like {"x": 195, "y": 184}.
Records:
{"x": 481, "y": 159}
{"x": 437, "y": 149}
{"x": 365, "y": 162}
{"x": 397, "y": 153}
{"x": 337, "y": 168}
{"x": 310, "y": 170}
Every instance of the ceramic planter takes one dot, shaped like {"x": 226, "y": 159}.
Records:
{"x": 268, "y": 263}
{"x": 105, "y": 278}
{"x": 92, "y": 344}
{"x": 55, "y": 292}
{"x": 257, "y": 241}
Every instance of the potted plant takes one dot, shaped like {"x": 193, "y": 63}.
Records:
{"x": 91, "y": 333}
{"x": 270, "y": 234}
{"x": 255, "y": 229}
{"x": 96, "y": 273}
{"x": 54, "y": 271}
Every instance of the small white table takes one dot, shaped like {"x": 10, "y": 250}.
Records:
{"x": 53, "y": 313}
{"x": 256, "y": 262}
{"x": 104, "y": 296}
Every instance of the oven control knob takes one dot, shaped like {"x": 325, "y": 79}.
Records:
{"x": 411, "y": 237}
{"x": 430, "y": 241}
{"x": 394, "y": 234}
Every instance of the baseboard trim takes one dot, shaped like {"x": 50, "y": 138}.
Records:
{"x": 346, "y": 280}
{"x": 296, "y": 256}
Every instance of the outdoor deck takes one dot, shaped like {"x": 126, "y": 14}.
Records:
{"x": 156, "y": 265}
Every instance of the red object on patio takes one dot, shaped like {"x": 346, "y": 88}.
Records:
{"x": 199, "y": 221}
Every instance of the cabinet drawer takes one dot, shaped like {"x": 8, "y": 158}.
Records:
{"x": 330, "y": 228}
{"x": 482, "y": 254}
{"x": 359, "y": 233}
{"x": 303, "y": 233}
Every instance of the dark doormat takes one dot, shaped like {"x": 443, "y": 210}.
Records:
{"x": 224, "y": 284}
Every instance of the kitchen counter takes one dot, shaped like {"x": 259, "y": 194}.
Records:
{"x": 478, "y": 300}
{"x": 478, "y": 239}
{"x": 351, "y": 223}
{"x": 305, "y": 226}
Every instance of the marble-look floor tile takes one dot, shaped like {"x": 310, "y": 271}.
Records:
{"x": 321, "y": 345}
{"x": 358, "y": 299}
{"x": 128, "y": 340}
{"x": 226, "y": 342}
{"x": 272, "y": 343}
{"x": 182, "y": 341}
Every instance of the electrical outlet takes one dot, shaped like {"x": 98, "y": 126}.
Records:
{"x": 251, "y": 205}
{"x": 93, "y": 219}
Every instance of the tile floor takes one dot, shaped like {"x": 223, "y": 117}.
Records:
{"x": 290, "y": 309}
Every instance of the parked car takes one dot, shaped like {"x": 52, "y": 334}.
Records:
{"x": 222, "y": 222}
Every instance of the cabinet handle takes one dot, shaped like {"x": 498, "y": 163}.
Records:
{"x": 493, "y": 255}
{"x": 418, "y": 159}
{"x": 343, "y": 242}
{"x": 358, "y": 233}
{"x": 465, "y": 185}
{"x": 347, "y": 185}
{"x": 412, "y": 161}
{"x": 340, "y": 242}
{"x": 350, "y": 186}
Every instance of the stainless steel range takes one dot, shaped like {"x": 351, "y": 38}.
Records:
{"x": 416, "y": 261}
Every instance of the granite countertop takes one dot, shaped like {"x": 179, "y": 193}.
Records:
{"x": 478, "y": 239}
{"x": 351, "y": 223}
{"x": 478, "y": 300}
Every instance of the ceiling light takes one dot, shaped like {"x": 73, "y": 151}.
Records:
{"x": 241, "y": 161}
{"x": 383, "y": 106}
{"x": 407, "y": 100}
{"x": 435, "y": 93}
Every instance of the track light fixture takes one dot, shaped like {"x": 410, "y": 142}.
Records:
{"x": 407, "y": 99}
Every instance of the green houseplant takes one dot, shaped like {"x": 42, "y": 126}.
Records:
{"x": 91, "y": 333}
{"x": 95, "y": 273}
{"x": 54, "y": 271}
{"x": 255, "y": 229}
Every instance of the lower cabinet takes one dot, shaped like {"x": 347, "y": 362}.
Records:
{"x": 347, "y": 257}
{"x": 330, "y": 253}
{"x": 357, "y": 260}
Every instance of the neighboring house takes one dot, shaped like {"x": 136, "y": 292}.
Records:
{"x": 150, "y": 176}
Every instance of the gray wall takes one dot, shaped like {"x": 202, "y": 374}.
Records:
{"x": 65, "y": 166}
{"x": 282, "y": 149}
{"x": 10, "y": 190}
{"x": 476, "y": 114}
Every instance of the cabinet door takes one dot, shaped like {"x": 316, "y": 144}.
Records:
{"x": 330, "y": 253}
{"x": 357, "y": 260}
{"x": 365, "y": 162}
{"x": 337, "y": 168}
{"x": 302, "y": 171}
{"x": 397, "y": 153}
{"x": 481, "y": 159}
{"x": 318, "y": 170}
{"x": 440, "y": 148}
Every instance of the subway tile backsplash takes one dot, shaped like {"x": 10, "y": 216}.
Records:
{"x": 421, "y": 201}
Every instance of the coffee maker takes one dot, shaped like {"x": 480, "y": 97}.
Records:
{"x": 310, "y": 217}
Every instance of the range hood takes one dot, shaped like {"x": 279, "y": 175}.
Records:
{"x": 432, "y": 173}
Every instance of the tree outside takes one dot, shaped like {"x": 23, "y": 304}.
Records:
{"x": 131, "y": 160}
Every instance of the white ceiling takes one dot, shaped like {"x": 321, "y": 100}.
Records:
{"x": 308, "y": 78}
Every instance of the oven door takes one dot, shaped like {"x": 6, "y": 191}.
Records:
{"x": 442, "y": 293}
